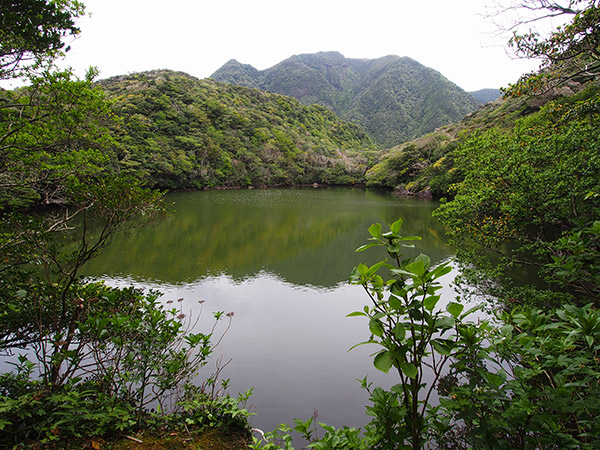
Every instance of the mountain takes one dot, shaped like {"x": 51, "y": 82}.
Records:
{"x": 177, "y": 131}
{"x": 393, "y": 98}
{"x": 486, "y": 95}
{"x": 426, "y": 166}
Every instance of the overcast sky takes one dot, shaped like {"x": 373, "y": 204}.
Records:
{"x": 199, "y": 36}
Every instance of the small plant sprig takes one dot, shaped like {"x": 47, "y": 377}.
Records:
{"x": 415, "y": 336}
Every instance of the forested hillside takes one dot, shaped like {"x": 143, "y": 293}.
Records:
{"x": 85, "y": 363}
{"x": 177, "y": 131}
{"x": 395, "y": 99}
{"x": 425, "y": 166}
{"x": 486, "y": 95}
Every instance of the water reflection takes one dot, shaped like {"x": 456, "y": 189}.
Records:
{"x": 280, "y": 260}
{"x": 290, "y": 344}
{"x": 305, "y": 236}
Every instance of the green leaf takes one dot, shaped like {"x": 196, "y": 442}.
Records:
{"x": 356, "y": 313}
{"x": 495, "y": 379}
{"x": 408, "y": 369}
{"x": 440, "y": 271}
{"x": 442, "y": 347}
{"x": 401, "y": 272}
{"x": 430, "y": 302}
{"x": 367, "y": 246}
{"x": 362, "y": 269}
{"x": 374, "y": 268}
{"x": 445, "y": 322}
{"x": 470, "y": 311}
{"x": 426, "y": 260}
{"x": 395, "y": 303}
{"x": 375, "y": 230}
{"x": 455, "y": 309}
{"x": 416, "y": 268}
{"x": 326, "y": 427}
{"x": 383, "y": 361}
{"x": 370, "y": 341}
{"x": 399, "y": 331}
{"x": 393, "y": 248}
{"x": 398, "y": 388}
{"x": 395, "y": 227}
{"x": 376, "y": 328}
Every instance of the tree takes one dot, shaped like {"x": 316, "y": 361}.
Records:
{"x": 32, "y": 33}
{"x": 96, "y": 357}
{"x": 61, "y": 200}
{"x": 568, "y": 52}
{"x": 530, "y": 194}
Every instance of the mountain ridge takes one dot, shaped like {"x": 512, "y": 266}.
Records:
{"x": 178, "y": 132}
{"x": 393, "y": 98}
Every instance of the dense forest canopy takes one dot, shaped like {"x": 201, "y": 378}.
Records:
{"x": 394, "y": 99}
{"x": 180, "y": 132}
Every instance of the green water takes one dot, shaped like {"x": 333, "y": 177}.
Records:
{"x": 305, "y": 236}
{"x": 280, "y": 260}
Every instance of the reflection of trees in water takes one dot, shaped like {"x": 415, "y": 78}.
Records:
{"x": 306, "y": 236}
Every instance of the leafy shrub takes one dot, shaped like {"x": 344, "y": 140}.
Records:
{"x": 538, "y": 385}
{"x": 127, "y": 358}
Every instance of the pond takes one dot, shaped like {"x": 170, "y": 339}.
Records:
{"x": 279, "y": 259}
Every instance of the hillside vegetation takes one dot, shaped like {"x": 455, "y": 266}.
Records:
{"x": 395, "y": 99}
{"x": 177, "y": 131}
{"x": 426, "y": 166}
{"x": 486, "y": 95}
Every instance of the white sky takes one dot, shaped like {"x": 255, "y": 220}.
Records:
{"x": 199, "y": 36}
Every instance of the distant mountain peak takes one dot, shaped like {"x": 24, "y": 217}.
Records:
{"x": 394, "y": 98}
{"x": 237, "y": 73}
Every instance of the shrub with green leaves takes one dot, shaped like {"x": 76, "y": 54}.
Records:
{"x": 530, "y": 196}
{"x": 129, "y": 355}
{"x": 535, "y": 384}
{"x": 416, "y": 337}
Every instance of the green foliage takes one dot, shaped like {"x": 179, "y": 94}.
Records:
{"x": 143, "y": 352}
{"x": 426, "y": 166}
{"x": 203, "y": 407}
{"x": 44, "y": 416}
{"x": 409, "y": 327}
{"x": 56, "y": 178}
{"x": 52, "y": 134}
{"x": 415, "y": 337}
{"x": 32, "y": 33}
{"x": 537, "y": 387}
{"x": 486, "y": 95}
{"x": 526, "y": 193}
{"x": 128, "y": 354}
{"x": 94, "y": 359}
{"x": 528, "y": 380}
{"x": 180, "y": 132}
{"x": 394, "y": 99}
{"x": 568, "y": 52}
{"x": 575, "y": 260}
